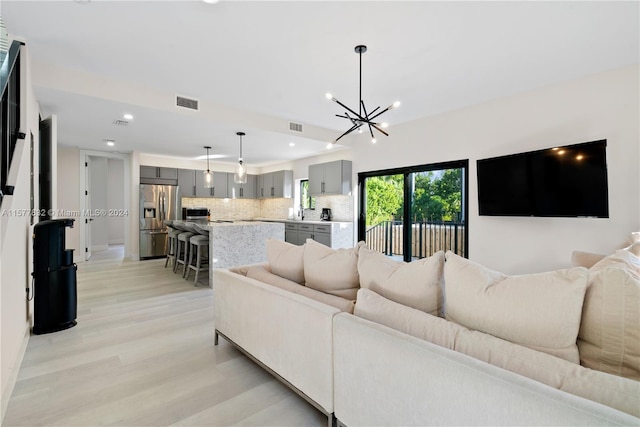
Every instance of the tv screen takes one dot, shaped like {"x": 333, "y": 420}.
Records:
{"x": 568, "y": 181}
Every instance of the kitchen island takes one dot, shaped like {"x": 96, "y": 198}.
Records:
{"x": 234, "y": 243}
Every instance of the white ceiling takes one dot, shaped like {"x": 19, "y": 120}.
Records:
{"x": 256, "y": 66}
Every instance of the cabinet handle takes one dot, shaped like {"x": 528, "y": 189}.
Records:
{"x": 272, "y": 192}
{"x": 213, "y": 191}
{"x": 194, "y": 191}
{"x": 241, "y": 192}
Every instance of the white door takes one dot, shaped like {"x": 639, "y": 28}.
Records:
{"x": 87, "y": 220}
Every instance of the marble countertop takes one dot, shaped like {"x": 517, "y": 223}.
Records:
{"x": 298, "y": 221}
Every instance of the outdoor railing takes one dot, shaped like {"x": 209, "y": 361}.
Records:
{"x": 427, "y": 238}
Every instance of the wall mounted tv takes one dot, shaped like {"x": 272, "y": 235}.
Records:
{"x": 567, "y": 181}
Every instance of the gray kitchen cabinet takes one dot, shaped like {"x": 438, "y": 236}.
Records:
{"x": 186, "y": 183}
{"x": 298, "y": 233}
{"x": 277, "y": 184}
{"x": 158, "y": 175}
{"x": 322, "y": 234}
{"x": 331, "y": 178}
{"x": 291, "y": 233}
{"x": 219, "y": 189}
{"x": 242, "y": 191}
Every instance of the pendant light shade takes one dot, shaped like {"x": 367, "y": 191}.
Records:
{"x": 240, "y": 175}
{"x": 208, "y": 175}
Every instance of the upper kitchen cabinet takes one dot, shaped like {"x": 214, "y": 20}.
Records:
{"x": 332, "y": 178}
{"x": 242, "y": 191}
{"x": 158, "y": 175}
{"x": 219, "y": 188}
{"x": 275, "y": 184}
{"x": 186, "y": 183}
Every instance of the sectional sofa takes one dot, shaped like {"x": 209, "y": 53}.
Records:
{"x": 440, "y": 341}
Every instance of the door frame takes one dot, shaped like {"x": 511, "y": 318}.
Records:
{"x": 407, "y": 194}
{"x": 126, "y": 191}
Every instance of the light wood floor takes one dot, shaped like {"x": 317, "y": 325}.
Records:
{"x": 142, "y": 354}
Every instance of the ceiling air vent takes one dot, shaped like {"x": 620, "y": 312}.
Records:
{"x": 296, "y": 127}
{"x": 191, "y": 104}
{"x": 120, "y": 122}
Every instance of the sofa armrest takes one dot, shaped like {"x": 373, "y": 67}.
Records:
{"x": 289, "y": 333}
{"x": 385, "y": 377}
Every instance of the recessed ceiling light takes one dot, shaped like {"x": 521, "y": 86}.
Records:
{"x": 110, "y": 142}
{"x": 210, "y": 1}
{"x": 292, "y": 144}
{"x": 128, "y": 116}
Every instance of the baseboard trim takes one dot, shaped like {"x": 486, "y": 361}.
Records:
{"x": 13, "y": 375}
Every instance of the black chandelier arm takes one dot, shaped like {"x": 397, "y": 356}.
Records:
{"x": 381, "y": 112}
{"x": 346, "y": 108}
{"x": 354, "y": 127}
{"x": 375, "y": 125}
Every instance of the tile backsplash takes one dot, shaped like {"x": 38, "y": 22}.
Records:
{"x": 341, "y": 208}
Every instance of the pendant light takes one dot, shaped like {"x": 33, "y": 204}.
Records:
{"x": 208, "y": 175}
{"x": 362, "y": 118}
{"x": 240, "y": 175}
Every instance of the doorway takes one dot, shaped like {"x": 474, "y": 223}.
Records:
{"x": 104, "y": 196}
{"x": 411, "y": 213}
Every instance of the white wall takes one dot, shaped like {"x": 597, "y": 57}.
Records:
{"x": 602, "y": 106}
{"x": 68, "y": 178}
{"x": 16, "y": 253}
{"x": 98, "y": 195}
{"x": 115, "y": 201}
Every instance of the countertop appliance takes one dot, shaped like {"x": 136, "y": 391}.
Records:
{"x": 325, "y": 215}
{"x": 197, "y": 214}
{"x": 157, "y": 204}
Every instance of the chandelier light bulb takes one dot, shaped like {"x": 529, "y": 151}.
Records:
{"x": 330, "y": 146}
{"x": 373, "y": 140}
{"x": 240, "y": 175}
{"x": 329, "y": 96}
{"x": 385, "y": 125}
{"x": 396, "y": 104}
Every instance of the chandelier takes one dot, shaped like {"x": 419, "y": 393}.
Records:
{"x": 362, "y": 117}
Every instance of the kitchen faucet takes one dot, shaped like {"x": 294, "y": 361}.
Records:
{"x": 301, "y": 213}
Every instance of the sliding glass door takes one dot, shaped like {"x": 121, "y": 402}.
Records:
{"x": 414, "y": 212}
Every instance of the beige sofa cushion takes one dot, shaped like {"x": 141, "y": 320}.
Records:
{"x": 262, "y": 274}
{"x": 585, "y": 259}
{"x": 417, "y": 284}
{"x": 333, "y": 271}
{"x": 541, "y": 311}
{"x": 619, "y": 393}
{"x": 415, "y": 322}
{"x": 609, "y": 338}
{"x": 286, "y": 259}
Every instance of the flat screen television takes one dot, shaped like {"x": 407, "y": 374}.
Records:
{"x": 567, "y": 181}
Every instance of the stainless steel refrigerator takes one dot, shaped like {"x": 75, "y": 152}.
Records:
{"x": 157, "y": 204}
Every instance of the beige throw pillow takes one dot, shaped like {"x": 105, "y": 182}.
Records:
{"x": 541, "y": 311}
{"x": 334, "y": 271}
{"x": 609, "y": 338}
{"x": 585, "y": 259}
{"x": 417, "y": 284}
{"x": 286, "y": 260}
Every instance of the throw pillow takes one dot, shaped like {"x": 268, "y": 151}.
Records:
{"x": 609, "y": 338}
{"x": 417, "y": 284}
{"x": 585, "y": 259}
{"x": 541, "y": 311}
{"x": 286, "y": 260}
{"x": 334, "y": 271}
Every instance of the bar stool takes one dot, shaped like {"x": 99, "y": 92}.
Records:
{"x": 173, "y": 240}
{"x": 182, "y": 248}
{"x": 200, "y": 249}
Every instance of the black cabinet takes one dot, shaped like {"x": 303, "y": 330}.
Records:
{"x": 54, "y": 278}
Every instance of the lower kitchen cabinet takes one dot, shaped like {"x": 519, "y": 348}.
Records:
{"x": 297, "y": 233}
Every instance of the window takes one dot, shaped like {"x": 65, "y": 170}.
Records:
{"x": 411, "y": 213}
{"x": 306, "y": 201}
